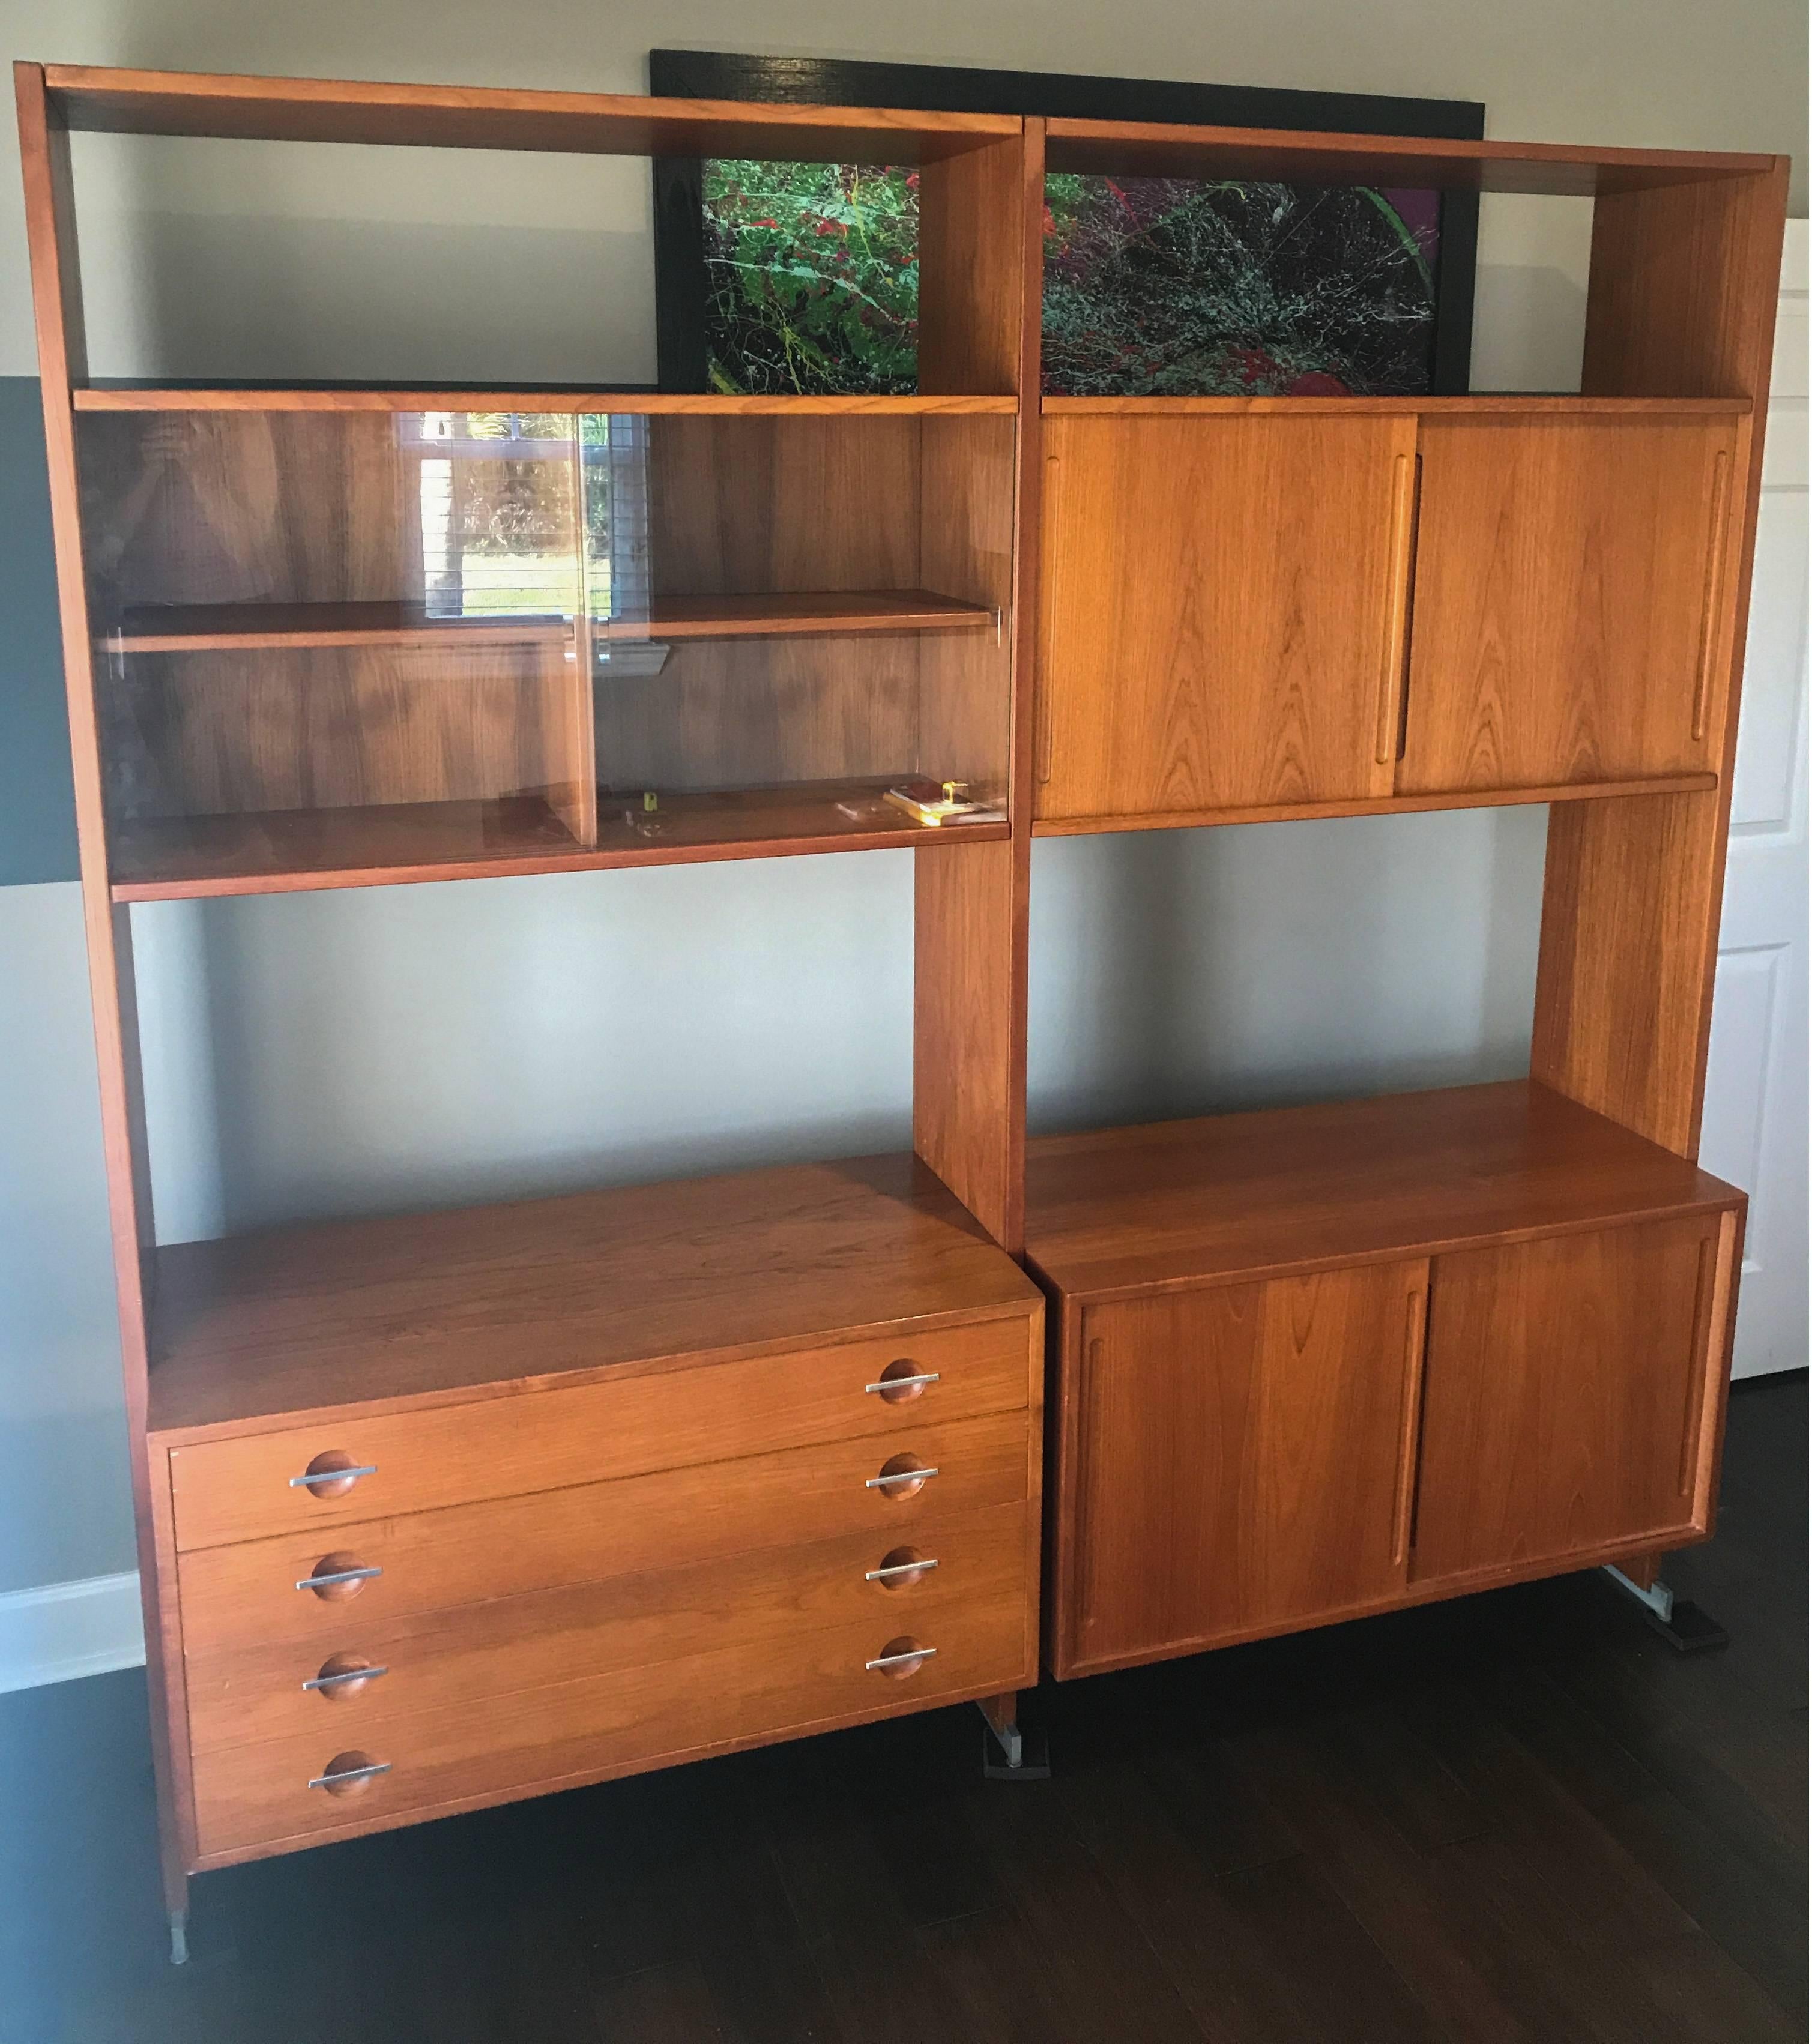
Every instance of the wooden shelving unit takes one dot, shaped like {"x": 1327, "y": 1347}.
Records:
{"x": 665, "y": 1472}
{"x": 1304, "y": 1364}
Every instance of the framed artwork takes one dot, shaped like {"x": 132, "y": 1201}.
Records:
{"x": 778, "y": 277}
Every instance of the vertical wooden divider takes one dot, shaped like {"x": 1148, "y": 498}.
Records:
{"x": 56, "y": 300}
{"x": 570, "y": 711}
{"x": 1684, "y": 279}
{"x": 981, "y": 271}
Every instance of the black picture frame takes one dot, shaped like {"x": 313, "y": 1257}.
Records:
{"x": 680, "y": 322}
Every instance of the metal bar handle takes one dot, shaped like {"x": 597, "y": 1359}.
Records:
{"x": 904, "y": 1383}
{"x": 305, "y": 1482}
{"x": 873, "y": 1483}
{"x": 338, "y": 1576}
{"x": 350, "y": 1774}
{"x": 899, "y": 1568}
{"x": 344, "y": 1675}
{"x": 899, "y": 1660}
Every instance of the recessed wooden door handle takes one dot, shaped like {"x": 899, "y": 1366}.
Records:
{"x": 1415, "y": 1350}
{"x": 1714, "y": 593}
{"x": 1405, "y": 488}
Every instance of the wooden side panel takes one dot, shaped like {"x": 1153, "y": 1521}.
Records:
{"x": 1628, "y": 944}
{"x": 970, "y": 907}
{"x": 1573, "y": 1385}
{"x": 56, "y": 298}
{"x": 1683, "y": 290}
{"x": 1569, "y": 601}
{"x": 1241, "y": 1461}
{"x": 1222, "y": 611}
{"x": 1683, "y": 281}
{"x": 972, "y": 234}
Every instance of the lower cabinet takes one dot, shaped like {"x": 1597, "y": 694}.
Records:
{"x": 1236, "y": 1459}
{"x": 1573, "y": 1394}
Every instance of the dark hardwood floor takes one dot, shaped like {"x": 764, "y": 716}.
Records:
{"x": 1518, "y": 1817}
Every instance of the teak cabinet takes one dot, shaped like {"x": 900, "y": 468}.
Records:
{"x": 1238, "y": 1454}
{"x": 1262, "y": 612}
{"x": 440, "y": 1510}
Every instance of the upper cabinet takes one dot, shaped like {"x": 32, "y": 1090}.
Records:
{"x": 1350, "y": 595}
{"x": 1249, "y": 612}
{"x": 1566, "y": 616}
{"x": 1222, "y": 610}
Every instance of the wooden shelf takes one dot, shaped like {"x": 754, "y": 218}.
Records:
{"x": 186, "y": 397}
{"x": 431, "y": 1308}
{"x": 1484, "y": 404}
{"x": 297, "y": 851}
{"x": 1176, "y": 1203}
{"x": 1157, "y": 149}
{"x": 830, "y": 611}
{"x": 253, "y": 627}
{"x": 1371, "y": 805}
{"x": 97, "y": 99}
{"x": 221, "y": 627}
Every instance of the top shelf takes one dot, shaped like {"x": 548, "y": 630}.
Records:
{"x": 180, "y": 397}
{"x": 1155, "y": 149}
{"x": 104, "y": 101}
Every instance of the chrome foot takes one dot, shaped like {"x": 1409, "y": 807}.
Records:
{"x": 179, "y": 1937}
{"x": 1683, "y": 1626}
{"x": 1007, "y": 1756}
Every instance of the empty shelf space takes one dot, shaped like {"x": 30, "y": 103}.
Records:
{"x": 292, "y": 850}
{"x": 222, "y": 627}
{"x": 830, "y": 611}
{"x": 1178, "y": 1202}
{"x": 417, "y": 1306}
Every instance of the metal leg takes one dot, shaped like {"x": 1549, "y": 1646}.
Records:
{"x": 1006, "y": 1754}
{"x": 179, "y": 1937}
{"x": 1683, "y": 1626}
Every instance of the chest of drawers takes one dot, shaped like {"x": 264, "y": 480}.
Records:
{"x": 400, "y": 1607}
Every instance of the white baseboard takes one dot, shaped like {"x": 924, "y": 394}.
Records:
{"x": 67, "y": 1630}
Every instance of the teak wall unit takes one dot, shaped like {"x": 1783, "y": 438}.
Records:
{"x": 439, "y": 1512}
{"x": 702, "y": 1465}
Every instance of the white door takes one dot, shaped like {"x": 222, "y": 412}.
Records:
{"x": 1755, "y": 1088}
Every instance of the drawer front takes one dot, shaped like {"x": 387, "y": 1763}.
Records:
{"x": 473, "y": 1657}
{"x": 419, "y": 1461}
{"x": 260, "y": 1797}
{"x": 246, "y": 1595}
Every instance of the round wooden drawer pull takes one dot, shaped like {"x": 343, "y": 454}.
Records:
{"x": 344, "y": 1675}
{"x": 901, "y": 1657}
{"x": 901, "y": 1476}
{"x": 902, "y": 1381}
{"x": 902, "y": 1567}
{"x": 335, "y": 1578}
{"x": 331, "y": 1474}
{"x": 349, "y": 1773}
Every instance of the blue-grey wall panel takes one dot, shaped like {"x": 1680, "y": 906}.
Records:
{"x": 37, "y": 802}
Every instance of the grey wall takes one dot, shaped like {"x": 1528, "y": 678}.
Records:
{"x": 357, "y": 1052}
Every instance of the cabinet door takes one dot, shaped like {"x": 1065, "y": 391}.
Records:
{"x": 1570, "y": 604}
{"x": 1573, "y": 1390}
{"x": 1236, "y": 1461}
{"x": 1222, "y": 611}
